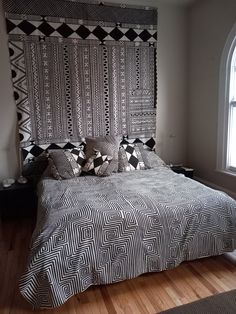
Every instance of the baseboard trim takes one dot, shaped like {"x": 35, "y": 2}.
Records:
{"x": 216, "y": 187}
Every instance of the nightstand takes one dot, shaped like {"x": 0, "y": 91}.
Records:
{"x": 188, "y": 172}
{"x": 18, "y": 201}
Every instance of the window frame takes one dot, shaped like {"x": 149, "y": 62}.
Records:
{"x": 225, "y": 105}
{"x": 232, "y": 104}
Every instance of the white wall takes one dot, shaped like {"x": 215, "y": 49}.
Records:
{"x": 171, "y": 89}
{"x": 172, "y": 62}
{"x": 210, "y": 22}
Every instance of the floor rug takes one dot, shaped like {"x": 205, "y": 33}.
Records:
{"x": 223, "y": 303}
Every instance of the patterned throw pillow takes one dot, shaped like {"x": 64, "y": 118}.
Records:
{"x": 107, "y": 145}
{"x": 132, "y": 157}
{"x": 35, "y": 168}
{"x": 98, "y": 164}
{"x": 79, "y": 155}
{"x": 63, "y": 165}
{"x": 154, "y": 160}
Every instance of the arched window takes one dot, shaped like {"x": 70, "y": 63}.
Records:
{"x": 231, "y": 149}
{"x": 226, "y": 155}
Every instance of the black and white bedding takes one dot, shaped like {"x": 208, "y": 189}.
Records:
{"x": 92, "y": 230}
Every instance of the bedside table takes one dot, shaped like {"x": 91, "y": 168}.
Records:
{"x": 188, "y": 172}
{"x": 18, "y": 201}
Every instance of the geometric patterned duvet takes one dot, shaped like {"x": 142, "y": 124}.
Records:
{"x": 93, "y": 230}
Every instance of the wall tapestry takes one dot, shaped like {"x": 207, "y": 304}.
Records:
{"x": 82, "y": 69}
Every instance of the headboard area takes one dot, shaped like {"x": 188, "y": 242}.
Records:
{"x": 81, "y": 69}
{"x": 33, "y": 150}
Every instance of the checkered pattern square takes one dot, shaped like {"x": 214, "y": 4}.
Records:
{"x": 130, "y": 158}
{"x": 98, "y": 164}
{"x": 149, "y": 143}
{"x": 79, "y": 155}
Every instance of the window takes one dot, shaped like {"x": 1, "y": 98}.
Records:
{"x": 226, "y": 155}
{"x": 231, "y": 162}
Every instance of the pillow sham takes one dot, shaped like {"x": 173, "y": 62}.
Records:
{"x": 98, "y": 164}
{"x": 63, "y": 165}
{"x": 132, "y": 157}
{"x": 79, "y": 155}
{"x": 154, "y": 160}
{"x": 34, "y": 169}
{"x": 106, "y": 145}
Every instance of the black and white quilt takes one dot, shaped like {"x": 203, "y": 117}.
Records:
{"x": 93, "y": 230}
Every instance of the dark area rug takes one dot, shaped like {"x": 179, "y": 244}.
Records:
{"x": 223, "y": 303}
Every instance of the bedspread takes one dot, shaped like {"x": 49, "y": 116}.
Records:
{"x": 92, "y": 230}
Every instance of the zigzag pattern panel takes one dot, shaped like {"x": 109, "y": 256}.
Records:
{"x": 19, "y": 79}
{"x": 97, "y": 231}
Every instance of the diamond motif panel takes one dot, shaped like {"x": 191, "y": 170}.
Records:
{"x": 10, "y": 26}
{"x": 131, "y": 34}
{"x": 46, "y": 29}
{"x": 145, "y": 35}
{"x": 83, "y": 32}
{"x": 100, "y": 33}
{"x": 26, "y": 27}
{"x": 116, "y": 34}
{"x": 66, "y": 30}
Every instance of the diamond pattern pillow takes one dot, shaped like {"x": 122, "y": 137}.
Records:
{"x": 79, "y": 155}
{"x": 63, "y": 165}
{"x": 132, "y": 157}
{"x": 98, "y": 164}
{"x": 107, "y": 145}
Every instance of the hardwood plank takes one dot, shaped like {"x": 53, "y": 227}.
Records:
{"x": 148, "y": 294}
{"x": 123, "y": 299}
{"x": 197, "y": 287}
{"x": 177, "y": 276}
{"x": 222, "y": 273}
{"x": 155, "y": 287}
{"x": 208, "y": 278}
{"x": 141, "y": 297}
{"x": 108, "y": 301}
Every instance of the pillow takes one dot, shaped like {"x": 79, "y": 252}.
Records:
{"x": 154, "y": 160}
{"x": 79, "y": 155}
{"x": 48, "y": 171}
{"x": 35, "y": 168}
{"x": 132, "y": 157}
{"x": 98, "y": 164}
{"x": 63, "y": 164}
{"x": 107, "y": 145}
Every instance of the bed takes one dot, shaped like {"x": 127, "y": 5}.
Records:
{"x": 100, "y": 230}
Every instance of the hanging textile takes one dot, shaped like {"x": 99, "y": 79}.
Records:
{"x": 82, "y": 69}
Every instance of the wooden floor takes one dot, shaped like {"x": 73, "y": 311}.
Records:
{"x": 150, "y": 293}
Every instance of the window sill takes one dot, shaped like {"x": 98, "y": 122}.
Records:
{"x": 227, "y": 172}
